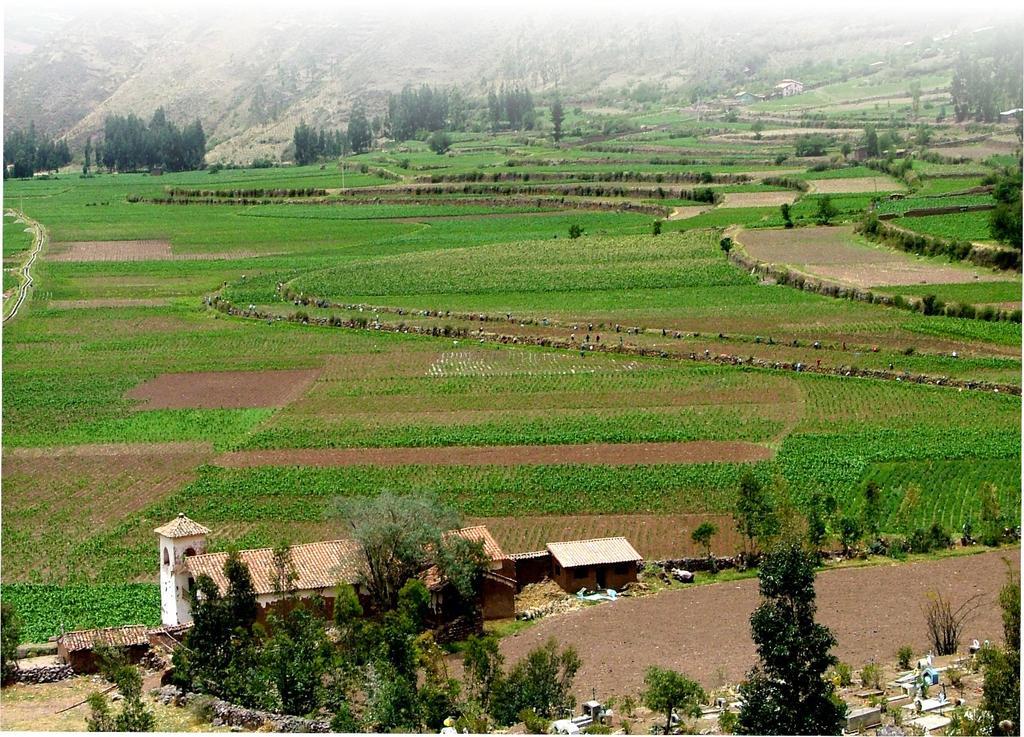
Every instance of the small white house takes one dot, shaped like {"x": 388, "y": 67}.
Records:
{"x": 788, "y": 88}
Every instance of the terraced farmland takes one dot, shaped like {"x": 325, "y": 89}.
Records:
{"x": 500, "y": 326}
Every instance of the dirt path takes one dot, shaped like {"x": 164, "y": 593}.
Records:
{"x": 606, "y": 454}
{"x": 704, "y": 631}
{"x": 39, "y": 240}
{"x": 683, "y": 213}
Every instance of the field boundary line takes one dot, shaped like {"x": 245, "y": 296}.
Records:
{"x": 217, "y": 303}
{"x": 25, "y": 270}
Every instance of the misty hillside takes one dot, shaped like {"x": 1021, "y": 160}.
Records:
{"x": 250, "y": 79}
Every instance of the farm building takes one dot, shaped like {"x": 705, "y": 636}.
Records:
{"x": 788, "y": 88}
{"x": 316, "y": 568}
{"x": 609, "y": 562}
{"x": 497, "y": 589}
{"x": 1011, "y": 116}
{"x": 78, "y": 649}
{"x": 746, "y": 98}
{"x": 602, "y": 563}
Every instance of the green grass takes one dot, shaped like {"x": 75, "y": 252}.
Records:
{"x": 218, "y": 426}
{"x": 962, "y": 226}
{"x": 914, "y": 203}
{"x": 48, "y": 610}
{"x": 16, "y": 239}
{"x": 934, "y": 186}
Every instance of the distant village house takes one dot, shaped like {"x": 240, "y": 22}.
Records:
{"x": 788, "y": 88}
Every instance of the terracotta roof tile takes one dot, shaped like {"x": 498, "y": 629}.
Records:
{"x": 319, "y": 565}
{"x": 133, "y": 634}
{"x": 181, "y": 526}
{"x": 600, "y": 551}
{"x": 482, "y": 534}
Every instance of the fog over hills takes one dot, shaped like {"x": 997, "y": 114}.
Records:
{"x": 251, "y": 75}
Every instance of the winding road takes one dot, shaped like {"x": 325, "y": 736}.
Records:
{"x": 38, "y": 242}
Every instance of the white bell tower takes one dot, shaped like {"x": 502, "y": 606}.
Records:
{"x": 179, "y": 538}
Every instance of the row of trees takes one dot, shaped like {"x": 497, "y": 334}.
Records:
{"x": 129, "y": 144}
{"x": 987, "y": 81}
{"x": 25, "y": 152}
{"x": 312, "y": 144}
{"x": 415, "y": 112}
{"x": 511, "y": 106}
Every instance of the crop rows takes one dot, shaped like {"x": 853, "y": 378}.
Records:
{"x": 49, "y": 610}
{"x": 963, "y": 226}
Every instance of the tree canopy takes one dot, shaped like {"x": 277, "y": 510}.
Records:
{"x": 787, "y": 693}
{"x": 25, "y": 152}
{"x": 129, "y": 144}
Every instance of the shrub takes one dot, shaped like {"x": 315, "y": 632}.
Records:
{"x": 927, "y": 539}
{"x": 727, "y": 722}
{"x": 955, "y": 676}
{"x": 903, "y": 657}
{"x": 871, "y": 676}
{"x": 628, "y": 705}
{"x": 842, "y": 674}
{"x": 534, "y": 723}
{"x": 575, "y": 230}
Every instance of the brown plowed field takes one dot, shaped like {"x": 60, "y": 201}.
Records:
{"x": 854, "y": 185}
{"x": 223, "y": 389}
{"x": 605, "y": 454}
{"x": 704, "y": 631}
{"x": 836, "y": 253}
{"x": 655, "y": 536}
{"x": 757, "y": 199}
{"x": 131, "y": 251}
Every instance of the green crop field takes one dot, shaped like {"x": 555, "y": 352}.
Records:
{"x": 965, "y": 226}
{"x": 483, "y": 315}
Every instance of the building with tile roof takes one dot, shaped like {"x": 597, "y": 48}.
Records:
{"x": 318, "y": 567}
{"x": 78, "y": 649}
{"x": 311, "y": 569}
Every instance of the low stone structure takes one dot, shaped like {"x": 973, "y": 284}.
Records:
{"x": 43, "y": 674}
{"x": 226, "y": 714}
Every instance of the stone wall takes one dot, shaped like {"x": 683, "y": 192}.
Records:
{"x": 226, "y": 714}
{"x": 43, "y": 674}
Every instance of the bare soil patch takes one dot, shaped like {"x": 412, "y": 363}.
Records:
{"x": 870, "y": 275}
{"x": 978, "y": 151}
{"x": 704, "y": 631}
{"x": 835, "y": 253}
{"x": 854, "y": 185}
{"x": 604, "y": 454}
{"x": 153, "y": 250}
{"x": 757, "y": 199}
{"x": 683, "y": 213}
{"x": 655, "y": 536}
{"x": 223, "y": 389}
